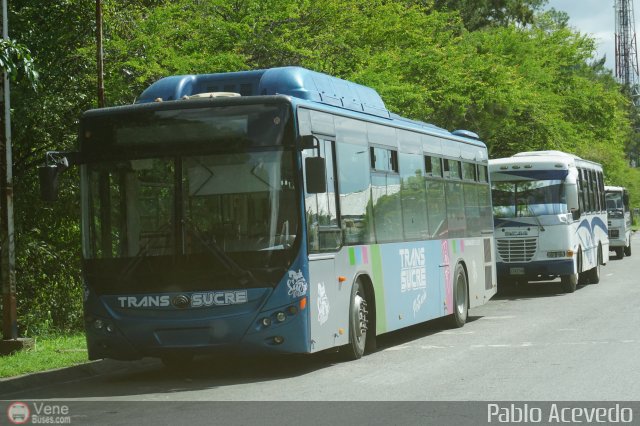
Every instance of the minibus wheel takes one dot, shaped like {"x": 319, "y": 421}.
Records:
{"x": 569, "y": 282}
{"x": 594, "y": 273}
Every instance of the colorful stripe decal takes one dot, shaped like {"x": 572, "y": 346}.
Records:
{"x": 358, "y": 256}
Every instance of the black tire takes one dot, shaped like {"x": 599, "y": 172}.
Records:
{"x": 460, "y": 298}
{"x": 358, "y": 323}
{"x": 619, "y": 252}
{"x": 569, "y": 282}
{"x": 583, "y": 276}
{"x": 594, "y": 273}
{"x": 627, "y": 250}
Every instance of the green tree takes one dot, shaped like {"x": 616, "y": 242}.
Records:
{"x": 16, "y": 61}
{"x": 477, "y": 14}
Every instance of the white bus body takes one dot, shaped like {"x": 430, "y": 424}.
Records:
{"x": 620, "y": 219}
{"x": 549, "y": 217}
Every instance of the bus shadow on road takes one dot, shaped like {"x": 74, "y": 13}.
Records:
{"x": 533, "y": 290}
{"x": 416, "y": 332}
{"x": 216, "y": 372}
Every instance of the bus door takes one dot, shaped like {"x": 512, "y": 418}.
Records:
{"x": 324, "y": 239}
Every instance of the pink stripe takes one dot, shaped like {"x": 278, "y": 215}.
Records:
{"x": 365, "y": 255}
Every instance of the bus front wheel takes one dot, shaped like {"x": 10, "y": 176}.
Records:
{"x": 627, "y": 250}
{"x": 569, "y": 282}
{"x": 460, "y": 298}
{"x": 619, "y": 252}
{"x": 358, "y": 323}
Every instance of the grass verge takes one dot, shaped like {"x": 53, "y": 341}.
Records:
{"x": 48, "y": 353}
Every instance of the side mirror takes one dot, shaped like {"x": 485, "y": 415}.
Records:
{"x": 575, "y": 214}
{"x": 56, "y": 163}
{"x": 49, "y": 182}
{"x": 315, "y": 175}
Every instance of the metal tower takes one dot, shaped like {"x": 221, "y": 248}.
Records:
{"x": 627, "y": 49}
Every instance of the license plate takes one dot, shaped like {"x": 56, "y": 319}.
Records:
{"x": 516, "y": 271}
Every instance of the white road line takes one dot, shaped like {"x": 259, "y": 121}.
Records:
{"x": 397, "y": 348}
{"x": 498, "y": 317}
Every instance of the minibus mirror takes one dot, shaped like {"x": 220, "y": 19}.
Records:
{"x": 308, "y": 142}
{"x": 315, "y": 176}
{"x": 575, "y": 214}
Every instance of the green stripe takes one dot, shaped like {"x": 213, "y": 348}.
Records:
{"x": 352, "y": 256}
{"x": 378, "y": 287}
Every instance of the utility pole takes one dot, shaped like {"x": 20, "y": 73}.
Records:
{"x": 627, "y": 49}
{"x": 99, "y": 54}
{"x": 10, "y": 341}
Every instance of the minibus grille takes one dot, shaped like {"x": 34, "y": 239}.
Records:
{"x": 517, "y": 249}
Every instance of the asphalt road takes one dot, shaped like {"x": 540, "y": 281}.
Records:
{"x": 534, "y": 343}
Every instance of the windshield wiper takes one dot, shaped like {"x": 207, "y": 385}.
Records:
{"x": 244, "y": 276}
{"x": 535, "y": 217}
{"x": 133, "y": 263}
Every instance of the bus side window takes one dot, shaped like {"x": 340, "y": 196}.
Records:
{"x": 355, "y": 193}
{"x": 582, "y": 189}
{"x": 436, "y": 202}
{"x": 385, "y": 194}
{"x": 414, "y": 198}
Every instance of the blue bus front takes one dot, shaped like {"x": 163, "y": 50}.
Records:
{"x": 192, "y": 229}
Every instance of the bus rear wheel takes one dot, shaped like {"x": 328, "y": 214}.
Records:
{"x": 460, "y": 298}
{"x": 594, "y": 273}
{"x": 358, "y": 323}
{"x": 620, "y": 252}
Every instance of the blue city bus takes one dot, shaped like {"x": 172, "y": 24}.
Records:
{"x": 278, "y": 210}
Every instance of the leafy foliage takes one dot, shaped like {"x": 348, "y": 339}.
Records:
{"x": 16, "y": 61}
{"x": 477, "y": 14}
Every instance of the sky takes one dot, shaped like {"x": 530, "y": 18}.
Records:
{"x": 596, "y": 18}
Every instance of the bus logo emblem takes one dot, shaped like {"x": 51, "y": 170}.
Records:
{"x": 181, "y": 301}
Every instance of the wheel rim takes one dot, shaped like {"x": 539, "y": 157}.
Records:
{"x": 361, "y": 323}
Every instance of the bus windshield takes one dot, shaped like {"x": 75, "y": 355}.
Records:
{"x": 528, "y": 198}
{"x": 229, "y": 211}
{"x": 615, "y": 206}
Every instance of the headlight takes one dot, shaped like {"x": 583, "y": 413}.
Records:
{"x": 556, "y": 254}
